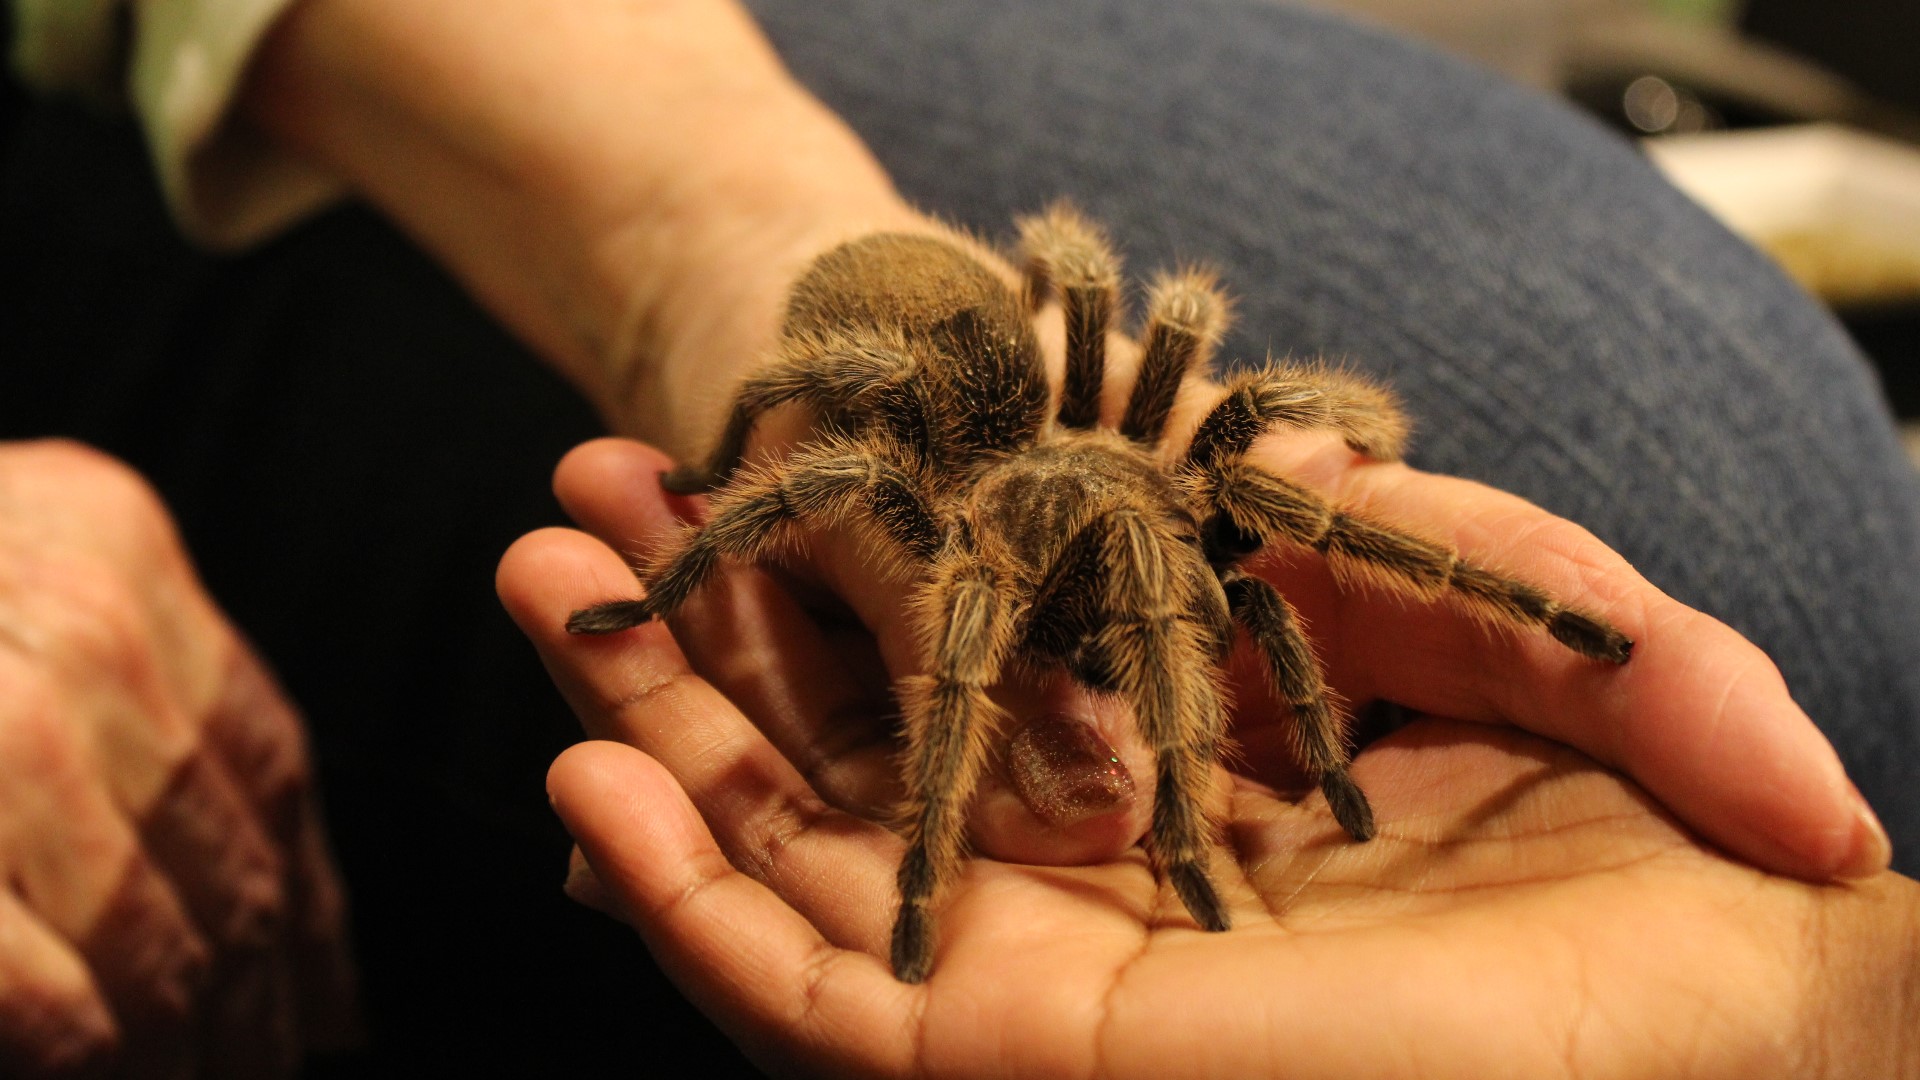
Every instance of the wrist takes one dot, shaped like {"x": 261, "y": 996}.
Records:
{"x": 629, "y": 185}
{"x": 699, "y": 274}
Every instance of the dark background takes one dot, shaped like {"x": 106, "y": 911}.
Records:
{"x": 348, "y": 446}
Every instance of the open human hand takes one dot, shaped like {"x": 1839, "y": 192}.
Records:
{"x": 1526, "y": 914}
{"x": 1697, "y": 704}
{"x": 1523, "y": 910}
{"x": 1067, "y": 548}
{"x": 171, "y": 907}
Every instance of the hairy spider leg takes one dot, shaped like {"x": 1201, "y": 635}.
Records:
{"x": 878, "y": 380}
{"x": 951, "y": 723}
{"x": 1319, "y": 739}
{"x": 1068, "y": 606}
{"x": 1186, "y": 316}
{"x": 1161, "y": 662}
{"x": 1254, "y": 507}
{"x": 1067, "y": 252}
{"x": 1307, "y": 398}
{"x": 822, "y": 485}
{"x": 1066, "y": 609}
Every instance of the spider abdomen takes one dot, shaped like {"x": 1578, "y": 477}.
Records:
{"x": 987, "y": 375}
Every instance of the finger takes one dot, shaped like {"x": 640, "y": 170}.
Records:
{"x": 53, "y": 1019}
{"x": 205, "y": 837}
{"x": 134, "y": 686}
{"x": 1699, "y": 716}
{"x": 249, "y": 1028}
{"x": 146, "y": 955}
{"x": 319, "y": 945}
{"x": 769, "y": 658}
{"x": 1060, "y": 794}
{"x": 784, "y": 992}
{"x": 80, "y": 866}
{"x": 1064, "y": 796}
{"x": 636, "y": 687}
{"x": 256, "y": 735}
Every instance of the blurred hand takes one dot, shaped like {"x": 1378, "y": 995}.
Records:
{"x": 1523, "y": 911}
{"x": 169, "y": 907}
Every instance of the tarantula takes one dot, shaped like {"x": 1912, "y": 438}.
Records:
{"x": 1052, "y": 540}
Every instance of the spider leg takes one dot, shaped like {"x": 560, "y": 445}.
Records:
{"x": 826, "y": 483}
{"x": 1186, "y": 316}
{"x": 950, "y": 723}
{"x": 1318, "y": 741}
{"x": 1068, "y": 607}
{"x": 867, "y": 376}
{"x": 1162, "y": 662}
{"x": 1065, "y": 251}
{"x": 1299, "y": 397}
{"x": 1254, "y": 507}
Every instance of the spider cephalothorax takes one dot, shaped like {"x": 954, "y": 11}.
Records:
{"x": 1051, "y": 540}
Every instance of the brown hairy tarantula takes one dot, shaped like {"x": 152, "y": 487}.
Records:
{"x": 1051, "y": 540}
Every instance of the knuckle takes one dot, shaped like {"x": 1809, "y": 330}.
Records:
{"x": 79, "y": 476}
{"x": 766, "y": 853}
{"x": 178, "y": 976}
{"x": 259, "y": 737}
{"x": 151, "y": 962}
{"x": 55, "y": 1026}
{"x": 817, "y": 974}
{"x": 316, "y": 901}
{"x": 706, "y": 872}
{"x": 284, "y": 787}
{"x": 652, "y": 691}
{"x": 65, "y": 458}
{"x": 258, "y": 909}
{"x": 92, "y": 620}
{"x": 36, "y": 730}
{"x": 105, "y": 477}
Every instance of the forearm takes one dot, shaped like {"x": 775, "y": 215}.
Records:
{"x": 628, "y": 184}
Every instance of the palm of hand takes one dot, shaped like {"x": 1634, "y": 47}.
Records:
{"x": 1509, "y": 874}
{"x": 1522, "y": 912}
{"x": 1523, "y": 909}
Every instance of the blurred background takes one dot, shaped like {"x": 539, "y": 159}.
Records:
{"x": 1797, "y": 122}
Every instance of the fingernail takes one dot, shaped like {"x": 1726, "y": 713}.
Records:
{"x": 581, "y": 886}
{"x": 1065, "y": 772}
{"x": 1872, "y": 851}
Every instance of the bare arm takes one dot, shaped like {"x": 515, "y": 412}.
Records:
{"x": 629, "y": 185}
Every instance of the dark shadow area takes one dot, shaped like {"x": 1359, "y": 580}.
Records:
{"x": 1891, "y": 337}
{"x": 349, "y": 445}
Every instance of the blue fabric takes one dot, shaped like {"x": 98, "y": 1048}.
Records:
{"x": 1561, "y": 322}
